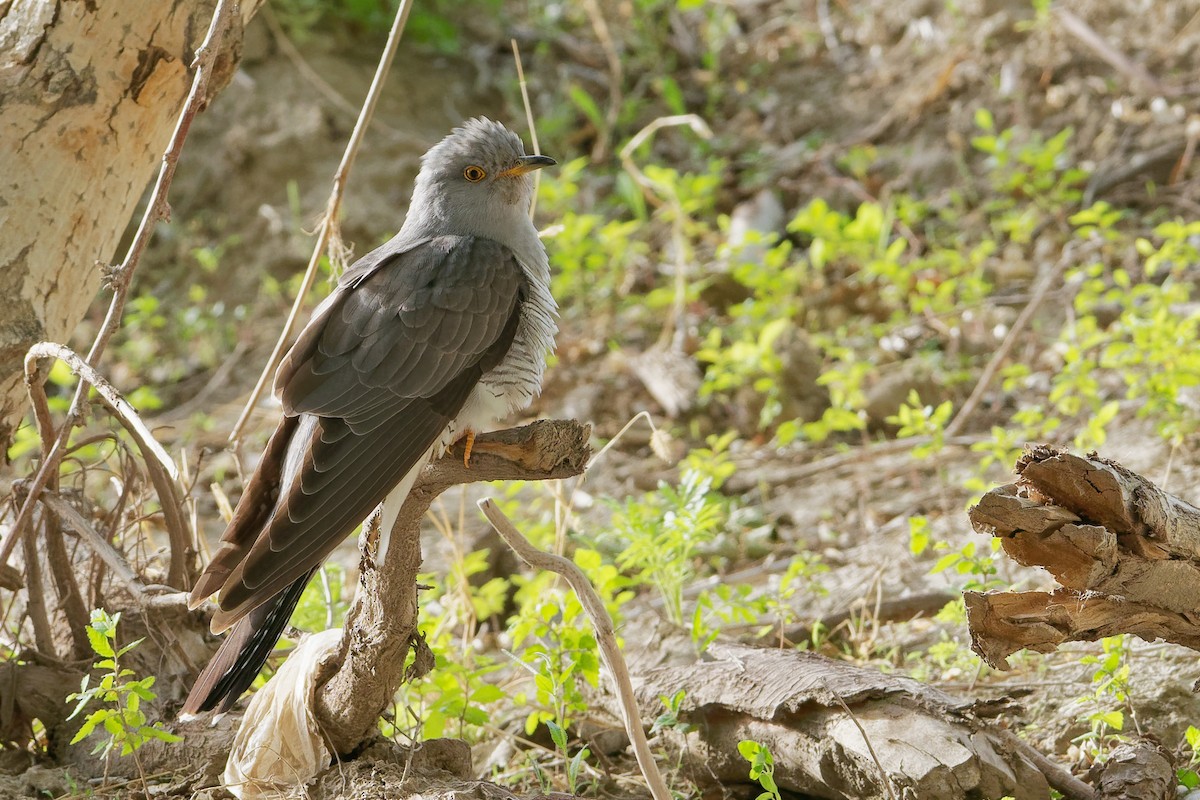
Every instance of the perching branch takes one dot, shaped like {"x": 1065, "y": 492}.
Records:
{"x": 381, "y": 623}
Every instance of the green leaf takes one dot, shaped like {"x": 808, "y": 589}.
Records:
{"x": 487, "y": 693}
{"x": 945, "y": 562}
{"x": 1192, "y": 735}
{"x": 749, "y": 749}
{"x": 89, "y": 724}
{"x": 584, "y": 102}
{"x": 130, "y": 646}
{"x": 99, "y": 642}
{"x": 160, "y": 734}
{"x": 557, "y": 734}
{"x": 141, "y": 691}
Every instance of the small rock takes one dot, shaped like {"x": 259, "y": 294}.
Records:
{"x": 891, "y": 392}
{"x": 45, "y": 782}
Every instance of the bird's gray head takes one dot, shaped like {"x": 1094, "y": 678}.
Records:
{"x": 476, "y": 182}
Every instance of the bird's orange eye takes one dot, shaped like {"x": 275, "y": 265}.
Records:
{"x": 474, "y": 174}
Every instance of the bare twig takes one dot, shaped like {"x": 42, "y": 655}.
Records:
{"x": 674, "y": 331}
{"x": 328, "y": 232}
{"x": 1045, "y": 282}
{"x": 746, "y": 477}
{"x": 883, "y": 776}
{"x": 1115, "y": 58}
{"x": 606, "y": 637}
{"x": 1071, "y": 787}
{"x": 615, "y": 78}
{"x": 306, "y": 70}
{"x": 163, "y": 473}
{"x": 121, "y": 276}
{"x": 35, "y": 595}
{"x": 533, "y": 137}
{"x": 66, "y": 586}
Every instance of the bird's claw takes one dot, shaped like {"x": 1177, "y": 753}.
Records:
{"x": 470, "y": 437}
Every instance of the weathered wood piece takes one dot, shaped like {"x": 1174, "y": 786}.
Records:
{"x": 926, "y": 743}
{"x": 1126, "y": 553}
{"x": 1140, "y": 770}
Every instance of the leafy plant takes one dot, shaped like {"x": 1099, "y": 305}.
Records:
{"x": 1109, "y": 699}
{"x": 1187, "y": 774}
{"x": 559, "y": 651}
{"x": 663, "y": 532}
{"x": 762, "y": 768}
{"x": 669, "y": 719}
{"x": 573, "y": 763}
{"x": 119, "y": 694}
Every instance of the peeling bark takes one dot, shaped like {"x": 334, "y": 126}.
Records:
{"x": 1126, "y": 552}
{"x": 90, "y": 93}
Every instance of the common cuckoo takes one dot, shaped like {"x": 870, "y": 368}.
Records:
{"x": 435, "y": 335}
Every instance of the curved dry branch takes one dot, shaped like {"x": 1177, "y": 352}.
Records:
{"x": 606, "y": 637}
{"x": 160, "y": 467}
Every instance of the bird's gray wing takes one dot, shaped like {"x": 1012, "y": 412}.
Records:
{"x": 385, "y": 365}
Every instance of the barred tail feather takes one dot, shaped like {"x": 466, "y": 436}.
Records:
{"x": 244, "y": 651}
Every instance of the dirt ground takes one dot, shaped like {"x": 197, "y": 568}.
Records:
{"x": 807, "y": 82}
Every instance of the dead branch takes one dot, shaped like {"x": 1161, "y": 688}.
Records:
{"x": 1045, "y": 282}
{"x": 160, "y": 467}
{"x": 381, "y": 624}
{"x": 66, "y": 587}
{"x": 35, "y": 591}
{"x": 606, "y": 638}
{"x": 1124, "y": 550}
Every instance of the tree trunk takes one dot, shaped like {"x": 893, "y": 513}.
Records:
{"x": 89, "y": 95}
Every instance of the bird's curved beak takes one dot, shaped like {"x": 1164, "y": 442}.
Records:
{"x": 527, "y": 164}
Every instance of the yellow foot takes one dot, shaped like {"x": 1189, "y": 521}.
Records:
{"x": 470, "y": 437}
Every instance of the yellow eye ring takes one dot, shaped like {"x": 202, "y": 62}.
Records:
{"x": 474, "y": 174}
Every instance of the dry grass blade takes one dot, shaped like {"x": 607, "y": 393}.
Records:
{"x": 327, "y": 233}
{"x": 71, "y": 518}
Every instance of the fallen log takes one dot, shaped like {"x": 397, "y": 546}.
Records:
{"x": 840, "y": 731}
